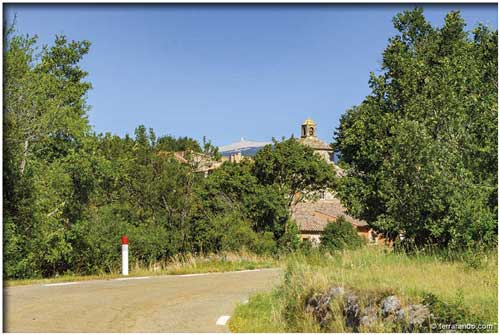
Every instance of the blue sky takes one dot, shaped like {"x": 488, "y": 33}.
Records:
{"x": 227, "y": 71}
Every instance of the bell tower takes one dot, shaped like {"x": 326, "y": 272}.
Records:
{"x": 308, "y": 128}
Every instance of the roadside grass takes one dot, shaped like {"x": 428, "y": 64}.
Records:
{"x": 59, "y": 279}
{"x": 472, "y": 284}
{"x": 260, "y": 315}
{"x": 182, "y": 264}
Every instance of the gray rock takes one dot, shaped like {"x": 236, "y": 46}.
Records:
{"x": 368, "y": 316}
{"x": 399, "y": 315}
{"x": 417, "y": 315}
{"x": 351, "y": 311}
{"x": 335, "y": 292}
{"x": 391, "y": 306}
{"x": 412, "y": 318}
{"x": 319, "y": 305}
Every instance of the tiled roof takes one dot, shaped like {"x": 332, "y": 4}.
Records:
{"x": 315, "y": 143}
{"x": 314, "y": 216}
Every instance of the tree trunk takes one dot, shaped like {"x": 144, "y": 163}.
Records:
{"x": 22, "y": 166}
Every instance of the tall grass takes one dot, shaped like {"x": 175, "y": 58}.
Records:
{"x": 189, "y": 263}
{"x": 180, "y": 264}
{"x": 456, "y": 280}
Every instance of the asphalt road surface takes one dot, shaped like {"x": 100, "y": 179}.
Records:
{"x": 186, "y": 303}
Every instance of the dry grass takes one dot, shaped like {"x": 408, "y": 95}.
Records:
{"x": 371, "y": 269}
{"x": 182, "y": 264}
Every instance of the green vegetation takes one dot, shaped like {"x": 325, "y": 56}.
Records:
{"x": 456, "y": 291}
{"x": 294, "y": 170}
{"x": 340, "y": 235}
{"x": 180, "y": 264}
{"x": 69, "y": 194}
{"x": 421, "y": 149}
{"x": 420, "y": 159}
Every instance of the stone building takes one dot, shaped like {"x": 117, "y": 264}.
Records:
{"x": 312, "y": 216}
{"x": 308, "y": 137}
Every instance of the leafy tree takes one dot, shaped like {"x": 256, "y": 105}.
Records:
{"x": 294, "y": 169}
{"x": 45, "y": 129}
{"x": 421, "y": 150}
{"x": 233, "y": 187}
{"x": 297, "y": 172}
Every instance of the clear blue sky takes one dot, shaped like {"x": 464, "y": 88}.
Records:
{"x": 227, "y": 71}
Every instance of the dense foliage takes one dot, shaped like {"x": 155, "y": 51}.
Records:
{"x": 69, "y": 194}
{"x": 340, "y": 235}
{"x": 294, "y": 169}
{"x": 421, "y": 150}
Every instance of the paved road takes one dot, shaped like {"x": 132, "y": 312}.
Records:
{"x": 188, "y": 303}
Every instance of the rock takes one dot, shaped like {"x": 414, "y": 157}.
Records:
{"x": 351, "y": 311}
{"x": 312, "y": 303}
{"x": 391, "y": 306}
{"x": 335, "y": 292}
{"x": 400, "y": 315}
{"x": 319, "y": 305}
{"x": 417, "y": 315}
{"x": 389, "y": 311}
{"x": 368, "y": 316}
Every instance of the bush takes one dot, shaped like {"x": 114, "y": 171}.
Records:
{"x": 290, "y": 240}
{"x": 233, "y": 232}
{"x": 306, "y": 246}
{"x": 14, "y": 248}
{"x": 264, "y": 244}
{"x": 96, "y": 242}
{"x": 340, "y": 235}
{"x": 152, "y": 242}
{"x": 452, "y": 313}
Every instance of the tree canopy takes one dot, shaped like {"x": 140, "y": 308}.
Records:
{"x": 421, "y": 149}
{"x": 295, "y": 169}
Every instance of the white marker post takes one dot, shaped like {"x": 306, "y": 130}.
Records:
{"x": 124, "y": 255}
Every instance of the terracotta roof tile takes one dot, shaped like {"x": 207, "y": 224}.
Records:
{"x": 315, "y": 143}
{"x": 314, "y": 216}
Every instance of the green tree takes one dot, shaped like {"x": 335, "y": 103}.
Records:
{"x": 234, "y": 188}
{"x": 294, "y": 169}
{"x": 421, "y": 150}
{"x": 45, "y": 131}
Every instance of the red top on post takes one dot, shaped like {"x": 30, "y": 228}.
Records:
{"x": 124, "y": 239}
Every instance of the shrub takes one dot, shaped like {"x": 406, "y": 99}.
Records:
{"x": 96, "y": 245}
{"x": 234, "y": 232}
{"x": 152, "y": 242}
{"x": 290, "y": 240}
{"x": 452, "y": 313}
{"x": 264, "y": 244}
{"x": 306, "y": 246}
{"x": 14, "y": 246}
{"x": 340, "y": 235}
